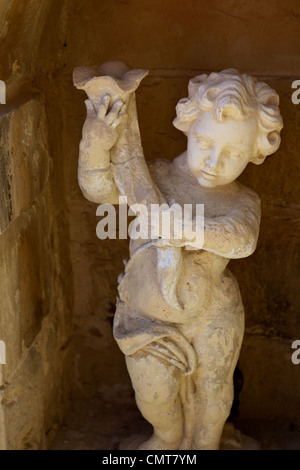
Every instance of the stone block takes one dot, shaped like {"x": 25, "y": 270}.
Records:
{"x": 27, "y": 270}
{"x": 25, "y": 161}
{"x": 36, "y": 396}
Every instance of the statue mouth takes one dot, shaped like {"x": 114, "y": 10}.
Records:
{"x": 205, "y": 174}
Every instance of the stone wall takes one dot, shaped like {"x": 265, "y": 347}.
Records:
{"x": 53, "y": 263}
{"x": 36, "y": 284}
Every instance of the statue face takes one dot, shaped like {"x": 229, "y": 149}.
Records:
{"x": 218, "y": 152}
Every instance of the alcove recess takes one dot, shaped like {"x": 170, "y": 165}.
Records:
{"x": 58, "y": 281}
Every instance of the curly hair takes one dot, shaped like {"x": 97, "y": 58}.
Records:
{"x": 231, "y": 94}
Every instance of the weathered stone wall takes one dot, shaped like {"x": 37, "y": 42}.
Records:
{"x": 52, "y": 263}
{"x": 36, "y": 284}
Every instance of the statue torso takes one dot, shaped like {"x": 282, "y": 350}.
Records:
{"x": 205, "y": 285}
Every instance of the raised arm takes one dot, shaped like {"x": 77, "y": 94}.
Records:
{"x": 99, "y": 134}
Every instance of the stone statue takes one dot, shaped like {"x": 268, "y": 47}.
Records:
{"x": 179, "y": 318}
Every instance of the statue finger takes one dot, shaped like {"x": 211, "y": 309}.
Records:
{"x": 89, "y": 108}
{"x": 103, "y": 107}
{"x": 120, "y": 116}
{"x": 114, "y": 112}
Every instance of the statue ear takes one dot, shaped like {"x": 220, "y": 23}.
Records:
{"x": 266, "y": 145}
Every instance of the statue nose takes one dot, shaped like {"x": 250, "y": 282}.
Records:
{"x": 214, "y": 161}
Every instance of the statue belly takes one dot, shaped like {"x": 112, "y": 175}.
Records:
{"x": 140, "y": 290}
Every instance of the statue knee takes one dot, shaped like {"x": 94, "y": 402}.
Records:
{"x": 153, "y": 380}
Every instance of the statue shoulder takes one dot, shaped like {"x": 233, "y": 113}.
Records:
{"x": 159, "y": 168}
{"x": 247, "y": 194}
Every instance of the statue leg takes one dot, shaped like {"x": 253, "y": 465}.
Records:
{"x": 156, "y": 385}
{"x": 217, "y": 347}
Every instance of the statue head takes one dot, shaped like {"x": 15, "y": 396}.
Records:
{"x": 230, "y": 119}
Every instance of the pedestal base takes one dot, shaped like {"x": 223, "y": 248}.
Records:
{"x": 232, "y": 439}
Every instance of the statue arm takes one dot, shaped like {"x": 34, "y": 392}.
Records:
{"x": 234, "y": 235}
{"x": 95, "y": 175}
{"x": 99, "y": 134}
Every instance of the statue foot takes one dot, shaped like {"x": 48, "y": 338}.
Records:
{"x": 155, "y": 443}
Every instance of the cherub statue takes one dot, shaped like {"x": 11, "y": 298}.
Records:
{"x": 179, "y": 318}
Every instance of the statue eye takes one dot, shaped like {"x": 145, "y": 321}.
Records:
{"x": 203, "y": 143}
{"x": 233, "y": 153}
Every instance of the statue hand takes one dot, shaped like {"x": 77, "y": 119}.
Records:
{"x": 103, "y": 122}
{"x": 167, "y": 231}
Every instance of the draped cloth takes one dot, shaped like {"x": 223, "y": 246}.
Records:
{"x": 134, "y": 333}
